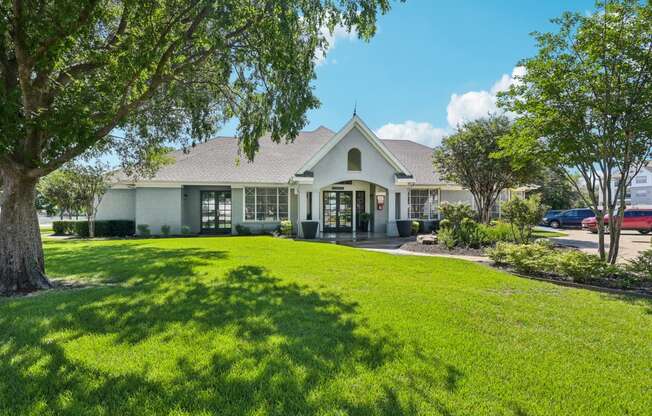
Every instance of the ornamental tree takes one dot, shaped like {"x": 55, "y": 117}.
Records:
{"x": 73, "y": 71}
{"x": 584, "y": 106}
{"x": 468, "y": 157}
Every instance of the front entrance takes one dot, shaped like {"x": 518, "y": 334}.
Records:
{"x": 338, "y": 211}
{"x": 216, "y": 212}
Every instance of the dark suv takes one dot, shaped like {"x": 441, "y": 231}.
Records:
{"x": 568, "y": 218}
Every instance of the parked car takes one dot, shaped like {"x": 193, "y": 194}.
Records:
{"x": 549, "y": 214}
{"x": 633, "y": 219}
{"x": 568, "y": 218}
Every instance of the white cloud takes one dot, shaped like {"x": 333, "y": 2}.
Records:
{"x": 475, "y": 104}
{"x": 424, "y": 133}
{"x": 461, "y": 107}
{"x": 338, "y": 33}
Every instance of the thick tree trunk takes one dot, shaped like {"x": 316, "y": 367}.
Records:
{"x": 22, "y": 267}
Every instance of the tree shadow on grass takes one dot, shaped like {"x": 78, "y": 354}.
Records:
{"x": 287, "y": 348}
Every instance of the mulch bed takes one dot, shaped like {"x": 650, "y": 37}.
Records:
{"x": 438, "y": 249}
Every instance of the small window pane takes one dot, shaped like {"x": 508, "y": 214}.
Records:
{"x": 354, "y": 161}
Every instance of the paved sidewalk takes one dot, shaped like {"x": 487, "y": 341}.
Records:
{"x": 631, "y": 242}
{"x": 400, "y": 252}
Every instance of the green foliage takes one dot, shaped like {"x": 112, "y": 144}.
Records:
{"x": 447, "y": 238}
{"x": 242, "y": 229}
{"x": 365, "y": 216}
{"x": 583, "y": 103}
{"x": 285, "y": 228}
{"x": 445, "y": 223}
{"x": 542, "y": 258}
{"x": 414, "y": 227}
{"x": 557, "y": 191}
{"x": 165, "y": 229}
{"x": 57, "y": 190}
{"x": 63, "y": 227}
{"x": 104, "y": 228}
{"x": 143, "y": 229}
{"x": 455, "y": 213}
{"x": 523, "y": 215}
{"x": 470, "y": 157}
{"x": 642, "y": 265}
{"x": 471, "y": 234}
{"x": 497, "y": 231}
{"x": 185, "y": 230}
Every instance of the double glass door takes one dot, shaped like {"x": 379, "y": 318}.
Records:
{"x": 216, "y": 212}
{"x": 338, "y": 211}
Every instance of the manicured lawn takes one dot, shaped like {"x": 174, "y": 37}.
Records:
{"x": 538, "y": 233}
{"x": 257, "y": 326}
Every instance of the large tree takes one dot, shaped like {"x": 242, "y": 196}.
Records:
{"x": 469, "y": 157}
{"x": 585, "y": 105}
{"x": 73, "y": 71}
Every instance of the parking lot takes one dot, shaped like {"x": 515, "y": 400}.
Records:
{"x": 631, "y": 242}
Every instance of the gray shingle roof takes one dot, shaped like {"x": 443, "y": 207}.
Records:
{"x": 218, "y": 160}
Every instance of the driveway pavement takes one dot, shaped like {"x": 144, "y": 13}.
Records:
{"x": 631, "y": 242}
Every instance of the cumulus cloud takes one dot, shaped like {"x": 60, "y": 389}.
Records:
{"x": 424, "y": 133}
{"x": 461, "y": 107}
{"x": 475, "y": 104}
{"x": 339, "y": 33}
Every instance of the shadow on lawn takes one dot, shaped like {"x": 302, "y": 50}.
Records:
{"x": 293, "y": 346}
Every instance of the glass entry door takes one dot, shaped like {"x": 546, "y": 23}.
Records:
{"x": 216, "y": 212}
{"x": 338, "y": 211}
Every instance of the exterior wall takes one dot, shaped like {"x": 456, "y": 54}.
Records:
{"x": 456, "y": 197}
{"x": 117, "y": 204}
{"x": 641, "y": 195}
{"x": 159, "y": 206}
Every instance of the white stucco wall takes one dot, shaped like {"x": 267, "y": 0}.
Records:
{"x": 117, "y": 204}
{"x": 159, "y": 206}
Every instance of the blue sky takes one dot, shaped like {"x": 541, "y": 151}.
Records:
{"x": 425, "y": 51}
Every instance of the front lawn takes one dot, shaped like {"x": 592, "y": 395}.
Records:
{"x": 258, "y": 326}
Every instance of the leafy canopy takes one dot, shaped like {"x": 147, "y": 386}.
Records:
{"x": 74, "y": 71}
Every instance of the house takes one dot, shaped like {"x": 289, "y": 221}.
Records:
{"x": 325, "y": 176}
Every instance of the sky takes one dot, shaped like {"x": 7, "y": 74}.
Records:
{"x": 431, "y": 65}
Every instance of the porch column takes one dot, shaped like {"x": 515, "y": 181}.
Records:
{"x": 316, "y": 213}
{"x": 353, "y": 204}
{"x": 302, "y": 206}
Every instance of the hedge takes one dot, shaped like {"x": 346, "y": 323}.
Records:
{"x": 107, "y": 228}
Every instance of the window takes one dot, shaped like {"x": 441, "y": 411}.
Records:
{"x": 641, "y": 179}
{"x": 641, "y": 193}
{"x": 266, "y": 204}
{"x": 354, "y": 160}
{"x": 309, "y": 206}
{"x": 423, "y": 204}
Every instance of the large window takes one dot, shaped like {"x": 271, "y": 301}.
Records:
{"x": 266, "y": 204}
{"x": 423, "y": 204}
{"x": 354, "y": 161}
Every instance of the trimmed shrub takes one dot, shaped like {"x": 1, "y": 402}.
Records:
{"x": 525, "y": 258}
{"x": 103, "y": 228}
{"x": 580, "y": 267}
{"x": 242, "y": 230}
{"x": 63, "y": 227}
{"x": 446, "y": 238}
{"x": 185, "y": 230}
{"x": 285, "y": 228}
{"x": 143, "y": 229}
{"x": 415, "y": 227}
{"x": 165, "y": 229}
{"x": 497, "y": 231}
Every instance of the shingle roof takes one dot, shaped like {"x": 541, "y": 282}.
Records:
{"x": 417, "y": 158}
{"x": 218, "y": 160}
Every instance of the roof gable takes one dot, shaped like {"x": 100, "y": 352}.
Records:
{"x": 354, "y": 123}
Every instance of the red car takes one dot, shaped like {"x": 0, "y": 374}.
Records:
{"x": 634, "y": 219}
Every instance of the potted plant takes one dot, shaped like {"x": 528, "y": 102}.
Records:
{"x": 404, "y": 227}
{"x": 365, "y": 218}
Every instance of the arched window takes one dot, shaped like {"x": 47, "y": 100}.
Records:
{"x": 354, "y": 160}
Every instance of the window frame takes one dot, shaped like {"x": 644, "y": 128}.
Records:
{"x": 432, "y": 214}
{"x": 348, "y": 160}
{"x": 257, "y": 203}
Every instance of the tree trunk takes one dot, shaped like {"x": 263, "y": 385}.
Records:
{"x": 22, "y": 267}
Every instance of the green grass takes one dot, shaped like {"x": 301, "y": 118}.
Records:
{"x": 263, "y": 326}
{"x": 537, "y": 233}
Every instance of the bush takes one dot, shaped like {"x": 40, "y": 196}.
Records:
{"x": 446, "y": 238}
{"x": 445, "y": 224}
{"x": 63, "y": 227}
{"x": 641, "y": 266}
{"x": 415, "y": 227}
{"x": 185, "y": 230}
{"x": 471, "y": 234}
{"x": 523, "y": 215}
{"x": 286, "y": 228}
{"x": 165, "y": 229}
{"x": 242, "y": 230}
{"x": 497, "y": 231}
{"x": 525, "y": 258}
{"x": 143, "y": 229}
{"x": 455, "y": 213}
{"x": 580, "y": 267}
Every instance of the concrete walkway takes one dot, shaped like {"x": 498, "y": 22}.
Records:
{"x": 631, "y": 242}
{"x": 400, "y": 252}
